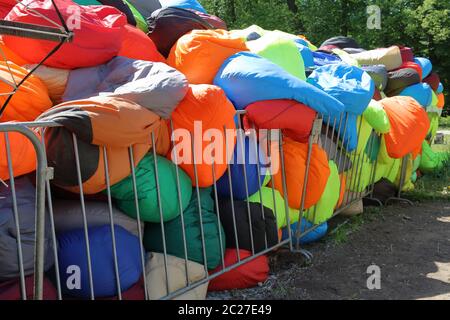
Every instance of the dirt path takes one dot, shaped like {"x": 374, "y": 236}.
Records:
{"x": 411, "y": 245}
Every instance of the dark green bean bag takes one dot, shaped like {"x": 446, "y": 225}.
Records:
{"x": 174, "y": 233}
{"x": 123, "y": 192}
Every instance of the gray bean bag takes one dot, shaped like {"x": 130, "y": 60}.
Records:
{"x": 68, "y": 216}
{"x": 379, "y": 75}
{"x": 153, "y": 85}
{"x": 335, "y": 152}
{"x": 9, "y": 258}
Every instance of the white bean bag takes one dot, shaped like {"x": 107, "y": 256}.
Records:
{"x": 176, "y": 267}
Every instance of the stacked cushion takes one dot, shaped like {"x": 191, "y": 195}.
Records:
{"x": 194, "y": 222}
{"x": 29, "y": 101}
{"x": 113, "y": 123}
{"x": 72, "y": 252}
{"x": 203, "y": 114}
{"x": 152, "y": 85}
{"x": 201, "y": 48}
{"x": 147, "y": 192}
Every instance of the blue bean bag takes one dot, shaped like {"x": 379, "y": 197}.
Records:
{"x": 184, "y": 4}
{"x": 351, "y": 86}
{"x": 72, "y": 252}
{"x": 323, "y": 58}
{"x": 313, "y": 236}
{"x": 248, "y": 147}
{"x": 426, "y": 66}
{"x": 421, "y": 92}
{"x": 440, "y": 88}
{"x": 247, "y": 78}
{"x": 305, "y": 51}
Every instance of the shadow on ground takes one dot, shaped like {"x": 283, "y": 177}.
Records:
{"x": 411, "y": 245}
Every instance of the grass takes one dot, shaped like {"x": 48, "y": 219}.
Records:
{"x": 444, "y": 123}
{"x": 341, "y": 232}
{"x": 435, "y": 185}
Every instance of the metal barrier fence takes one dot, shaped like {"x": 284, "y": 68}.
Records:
{"x": 325, "y": 133}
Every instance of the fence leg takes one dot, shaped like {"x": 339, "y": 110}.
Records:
{"x": 42, "y": 175}
{"x": 399, "y": 198}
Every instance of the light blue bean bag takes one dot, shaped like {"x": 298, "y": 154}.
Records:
{"x": 184, "y": 4}
{"x": 351, "y": 86}
{"x": 323, "y": 59}
{"x": 426, "y": 66}
{"x": 313, "y": 236}
{"x": 247, "y": 78}
{"x": 421, "y": 92}
{"x": 307, "y": 54}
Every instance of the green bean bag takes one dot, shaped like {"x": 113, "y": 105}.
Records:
{"x": 434, "y": 124}
{"x": 174, "y": 233}
{"x": 431, "y": 160}
{"x": 280, "y": 51}
{"x": 377, "y": 117}
{"x": 123, "y": 192}
{"x": 346, "y": 57}
{"x": 140, "y": 20}
{"x": 273, "y": 200}
{"x": 324, "y": 209}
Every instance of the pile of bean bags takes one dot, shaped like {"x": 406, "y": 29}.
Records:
{"x": 164, "y": 157}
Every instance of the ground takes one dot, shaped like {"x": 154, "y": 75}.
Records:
{"x": 410, "y": 244}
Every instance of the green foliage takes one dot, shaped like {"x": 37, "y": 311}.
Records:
{"x": 423, "y": 25}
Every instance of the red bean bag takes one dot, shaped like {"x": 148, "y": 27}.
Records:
{"x": 377, "y": 95}
{"x": 10, "y": 290}
{"x": 412, "y": 65}
{"x": 407, "y": 54}
{"x": 433, "y": 80}
{"x": 5, "y": 7}
{"x": 247, "y": 275}
{"x": 200, "y": 53}
{"x": 97, "y": 36}
{"x": 281, "y": 114}
{"x": 136, "y": 45}
{"x": 135, "y": 293}
{"x": 295, "y": 156}
{"x": 23, "y": 156}
{"x": 409, "y": 126}
{"x": 204, "y": 108}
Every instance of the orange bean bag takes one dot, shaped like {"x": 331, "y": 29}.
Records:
{"x": 29, "y": 101}
{"x": 409, "y": 126}
{"x": 200, "y": 53}
{"x": 342, "y": 178}
{"x": 295, "y": 156}
{"x": 137, "y": 45}
{"x": 110, "y": 122}
{"x": 204, "y": 107}
{"x": 54, "y": 79}
{"x": 441, "y": 100}
{"x": 23, "y": 156}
